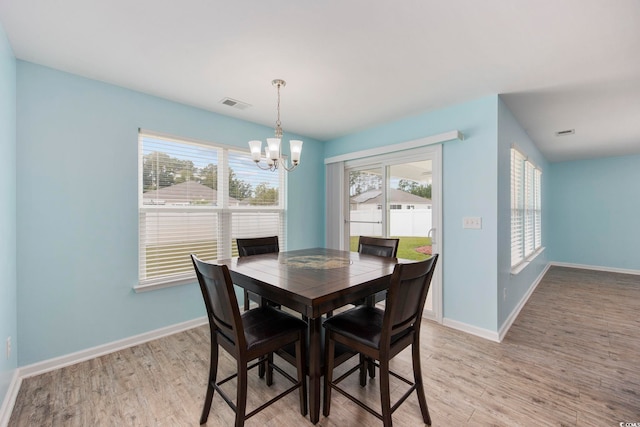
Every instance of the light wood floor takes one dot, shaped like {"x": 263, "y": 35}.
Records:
{"x": 572, "y": 358}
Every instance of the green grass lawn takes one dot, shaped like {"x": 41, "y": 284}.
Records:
{"x": 406, "y": 247}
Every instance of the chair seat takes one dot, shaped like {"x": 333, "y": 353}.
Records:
{"x": 265, "y": 324}
{"x": 362, "y": 324}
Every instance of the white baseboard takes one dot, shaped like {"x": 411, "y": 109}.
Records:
{"x": 470, "y": 329}
{"x": 595, "y": 267}
{"x": 514, "y": 313}
{"x": 101, "y": 350}
{"x": 10, "y": 399}
{"x": 492, "y": 335}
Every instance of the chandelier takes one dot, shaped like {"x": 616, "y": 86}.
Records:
{"x": 273, "y": 149}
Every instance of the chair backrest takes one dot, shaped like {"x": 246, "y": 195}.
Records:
{"x": 220, "y": 299}
{"x": 257, "y": 246}
{"x": 378, "y": 246}
{"x": 406, "y": 297}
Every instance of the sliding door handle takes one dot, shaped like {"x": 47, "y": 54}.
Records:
{"x": 432, "y": 234}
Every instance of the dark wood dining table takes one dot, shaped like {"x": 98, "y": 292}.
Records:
{"x": 312, "y": 282}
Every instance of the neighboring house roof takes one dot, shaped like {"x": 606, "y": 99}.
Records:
{"x": 184, "y": 193}
{"x": 395, "y": 196}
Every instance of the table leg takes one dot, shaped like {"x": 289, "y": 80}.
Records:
{"x": 315, "y": 370}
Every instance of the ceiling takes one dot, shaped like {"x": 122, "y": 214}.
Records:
{"x": 350, "y": 65}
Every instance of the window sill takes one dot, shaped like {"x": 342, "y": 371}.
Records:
{"x": 519, "y": 267}
{"x": 152, "y": 286}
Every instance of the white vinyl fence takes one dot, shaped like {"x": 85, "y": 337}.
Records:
{"x": 403, "y": 222}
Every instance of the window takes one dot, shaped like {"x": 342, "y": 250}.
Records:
{"x": 198, "y": 198}
{"x": 526, "y": 212}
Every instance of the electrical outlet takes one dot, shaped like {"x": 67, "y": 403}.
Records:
{"x": 474, "y": 222}
{"x": 8, "y": 347}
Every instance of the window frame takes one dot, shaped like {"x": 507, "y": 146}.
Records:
{"x": 225, "y": 215}
{"x": 526, "y": 210}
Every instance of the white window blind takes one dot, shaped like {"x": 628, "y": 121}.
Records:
{"x": 198, "y": 198}
{"x": 526, "y": 211}
{"x": 262, "y": 214}
{"x": 538, "y": 208}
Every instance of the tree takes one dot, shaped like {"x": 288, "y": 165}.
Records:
{"x": 208, "y": 176}
{"x": 238, "y": 189}
{"x": 359, "y": 182}
{"x": 413, "y": 187}
{"x": 156, "y": 171}
{"x": 264, "y": 195}
{"x": 184, "y": 170}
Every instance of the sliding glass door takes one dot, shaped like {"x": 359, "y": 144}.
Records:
{"x": 365, "y": 204}
{"x": 398, "y": 195}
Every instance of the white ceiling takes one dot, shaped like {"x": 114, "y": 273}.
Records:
{"x": 349, "y": 65}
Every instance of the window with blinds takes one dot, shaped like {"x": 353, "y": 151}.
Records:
{"x": 526, "y": 210}
{"x": 198, "y": 198}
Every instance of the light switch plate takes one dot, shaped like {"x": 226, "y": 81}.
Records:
{"x": 473, "y": 222}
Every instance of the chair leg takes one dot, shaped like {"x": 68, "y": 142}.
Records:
{"x": 213, "y": 373}
{"x": 417, "y": 378}
{"x": 241, "y": 400}
{"x": 262, "y": 367}
{"x": 246, "y": 300}
{"x": 268, "y": 364}
{"x": 301, "y": 364}
{"x": 328, "y": 374}
{"x": 370, "y": 301}
{"x": 385, "y": 393}
{"x": 372, "y": 368}
{"x": 364, "y": 361}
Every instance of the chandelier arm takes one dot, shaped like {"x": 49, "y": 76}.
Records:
{"x": 291, "y": 167}
{"x": 263, "y": 168}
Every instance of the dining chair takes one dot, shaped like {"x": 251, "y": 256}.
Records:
{"x": 381, "y": 334}
{"x": 378, "y": 246}
{"x": 256, "y": 246}
{"x": 251, "y": 335}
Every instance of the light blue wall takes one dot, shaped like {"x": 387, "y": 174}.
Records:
{"x": 305, "y": 221}
{"x": 77, "y": 209}
{"x": 511, "y": 132}
{"x": 8, "y": 303}
{"x": 469, "y": 189}
{"x": 595, "y": 206}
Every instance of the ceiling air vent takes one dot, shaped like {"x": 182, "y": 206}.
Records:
{"x": 565, "y": 132}
{"x": 235, "y": 103}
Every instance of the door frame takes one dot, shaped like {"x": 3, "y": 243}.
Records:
{"x": 431, "y": 152}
